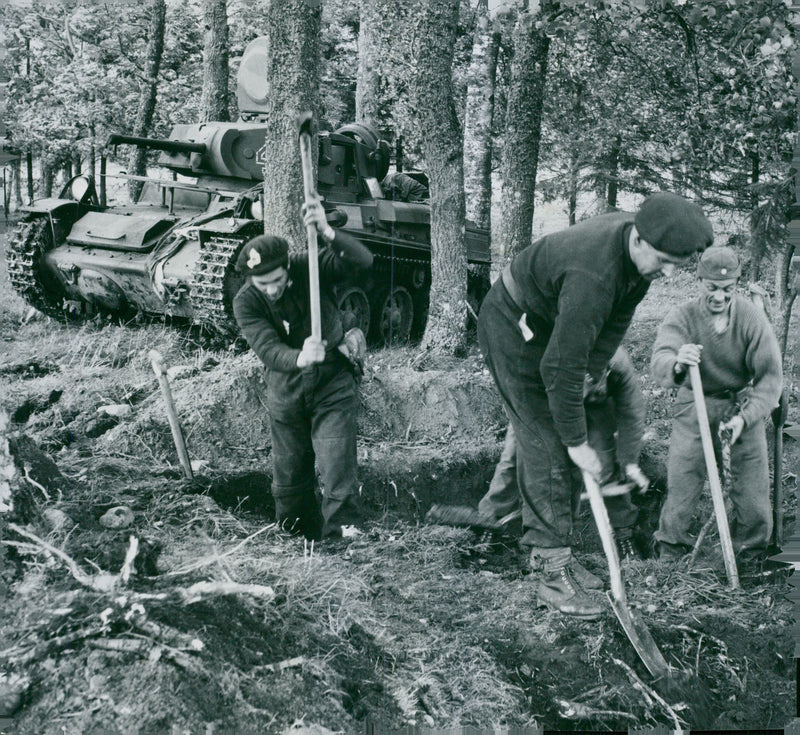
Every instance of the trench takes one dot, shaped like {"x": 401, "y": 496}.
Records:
{"x": 404, "y": 490}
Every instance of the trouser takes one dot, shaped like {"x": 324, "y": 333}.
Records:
{"x": 313, "y": 419}
{"x": 503, "y": 495}
{"x": 550, "y": 490}
{"x": 751, "y": 526}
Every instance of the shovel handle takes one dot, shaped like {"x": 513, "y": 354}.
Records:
{"x": 606, "y": 537}
{"x": 713, "y": 478}
{"x": 172, "y": 416}
{"x": 309, "y": 194}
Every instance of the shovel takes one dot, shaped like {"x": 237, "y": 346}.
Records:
{"x": 713, "y": 478}
{"x": 634, "y": 627}
{"x": 172, "y": 415}
{"x": 310, "y": 193}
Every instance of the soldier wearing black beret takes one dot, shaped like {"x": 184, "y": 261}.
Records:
{"x": 311, "y": 386}
{"x": 559, "y": 311}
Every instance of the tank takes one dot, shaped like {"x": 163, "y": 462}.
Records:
{"x": 173, "y": 252}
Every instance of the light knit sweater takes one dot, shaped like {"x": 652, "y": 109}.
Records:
{"x": 746, "y": 353}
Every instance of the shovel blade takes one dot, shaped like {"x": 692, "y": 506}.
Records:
{"x": 639, "y": 635}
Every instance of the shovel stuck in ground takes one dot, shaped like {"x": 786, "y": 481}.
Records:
{"x": 172, "y": 416}
{"x": 634, "y": 627}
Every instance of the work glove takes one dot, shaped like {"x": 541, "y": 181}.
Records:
{"x": 313, "y": 352}
{"x": 634, "y": 473}
{"x": 586, "y": 459}
{"x": 732, "y": 429}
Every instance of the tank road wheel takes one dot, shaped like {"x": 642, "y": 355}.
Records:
{"x": 25, "y": 251}
{"x": 354, "y": 307}
{"x": 393, "y": 316}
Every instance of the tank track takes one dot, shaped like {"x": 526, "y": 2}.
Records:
{"x": 25, "y": 247}
{"x": 209, "y": 278}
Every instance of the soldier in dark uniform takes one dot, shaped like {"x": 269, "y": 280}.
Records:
{"x": 559, "y": 312}
{"x": 311, "y": 383}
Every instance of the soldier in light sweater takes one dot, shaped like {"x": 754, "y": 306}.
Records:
{"x": 733, "y": 343}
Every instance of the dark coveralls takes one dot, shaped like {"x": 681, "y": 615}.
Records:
{"x": 312, "y": 411}
{"x": 559, "y": 311}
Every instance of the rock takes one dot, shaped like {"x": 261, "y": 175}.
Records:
{"x": 299, "y": 727}
{"x": 99, "y": 426}
{"x": 12, "y": 692}
{"x": 117, "y": 410}
{"x": 119, "y": 517}
{"x": 56, "y": 519}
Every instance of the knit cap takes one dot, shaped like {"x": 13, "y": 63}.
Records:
{"x": 263, "y": 254}
{"x": 719, "y": 264}
{"x": 673, "y": 224}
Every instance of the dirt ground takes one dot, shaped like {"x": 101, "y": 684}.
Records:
{"x": 221, "y": 622}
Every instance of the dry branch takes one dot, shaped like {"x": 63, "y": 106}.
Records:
{"x": 103, "y": 582}
{"x": 650, "y": 693}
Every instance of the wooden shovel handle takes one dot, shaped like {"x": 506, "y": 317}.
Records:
{"x": 310, "y": 193}
{"x": 713, "y": 478}
{"x": 172, "y": 416}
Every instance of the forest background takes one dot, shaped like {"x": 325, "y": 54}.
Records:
{"x": 546, "y": 100}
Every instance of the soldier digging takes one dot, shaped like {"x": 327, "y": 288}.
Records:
{"x": 311, "y": 383}
{"x": 558, "y": 312}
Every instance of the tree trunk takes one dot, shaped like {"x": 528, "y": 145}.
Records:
{"x": 368, "y": 79}
{"x": 478, "y": 120}
{"x": 47, "y": 179}
{"x": 572, "y": 194}
{"x": 16, "y": 168}
{"x": 523, "y": 131}
{"x": 785, "y": 293}
{"x": 442, "y": 148}
{"x": 612, "y": 187}
{"x": 758, "y": 242}
{"x": 92, "y": 154}
{"x": 214, "y": 99}
{"x": 29, "y": 173}
{"x": 77, "y": 164}
{"x": 137, "y": 162}
{"x": 293, "y": 28}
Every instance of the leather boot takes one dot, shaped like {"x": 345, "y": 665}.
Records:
{"x": 584, "y": 577}
{"x": 559, "y": 590}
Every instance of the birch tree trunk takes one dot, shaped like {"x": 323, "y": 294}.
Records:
{"x": 137, "y": 162}
{"x": 293, "y": 28}
{"x": 478, "y": 119}
{"x": 214, "y": 98}
{"x": 523, "y": 131}
{"x": 442, "y": 147}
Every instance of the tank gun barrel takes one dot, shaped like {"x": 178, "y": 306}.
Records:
{"x": 158, "y": 144}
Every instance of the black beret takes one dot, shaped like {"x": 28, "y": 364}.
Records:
{"x": 673, "y": 224}
{"x": 263, "y": 254}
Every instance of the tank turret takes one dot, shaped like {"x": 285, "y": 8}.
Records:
{"x": 173, "y": 252}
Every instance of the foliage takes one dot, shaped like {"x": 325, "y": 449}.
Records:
{"x": 699, "y": 94}
{"x": 75, "y": 73}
